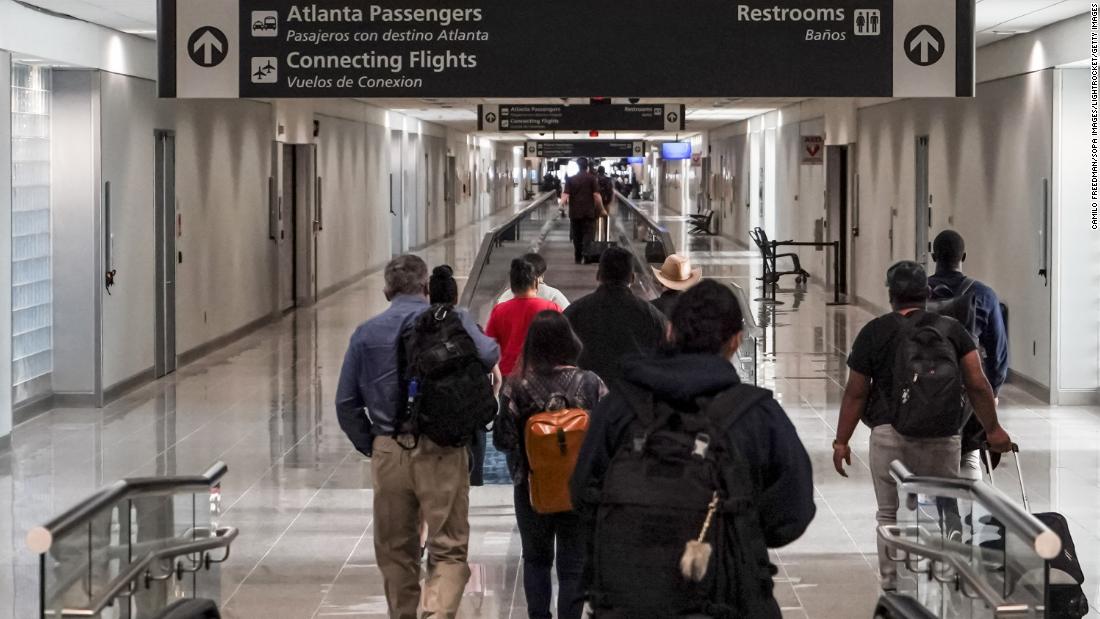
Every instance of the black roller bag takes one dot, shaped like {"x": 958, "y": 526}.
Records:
{"x": 1065, "y": 594}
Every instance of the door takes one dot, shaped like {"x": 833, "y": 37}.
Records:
{"x": 450, "y": 180}
{"x": 300, "y": 219}
{"x": 307, "y": 224}
{"x": 397, "y": 206}
{"x": 165, "y": 240}
{"x": 285, "y": 234}
{"x": 836, "y": 217}
{"x": 923, "y": 204}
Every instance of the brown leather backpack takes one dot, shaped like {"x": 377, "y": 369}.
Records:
{"x": 553, "y": 440}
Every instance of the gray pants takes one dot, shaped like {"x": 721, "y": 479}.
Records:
{"x": 933, "y": 457}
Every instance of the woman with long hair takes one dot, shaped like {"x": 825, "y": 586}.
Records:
{"x": 547, "y": 370}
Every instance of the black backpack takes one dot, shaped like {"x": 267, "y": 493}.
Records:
{"x": 655, "y": 498}
{"x": 449, "y": 394}
{"x": 961, "y": 305}
{"x": 607, "y": 190}
{"x": 929, "y": 400}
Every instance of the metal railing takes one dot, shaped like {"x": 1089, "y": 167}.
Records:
{"x": 119, "y": 542}
{"x": 494, "y": 238}
{"x": 748, "y": 355}
{"x": 1000, "y": 570}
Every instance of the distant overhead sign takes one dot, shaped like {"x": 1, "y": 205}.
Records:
{"x": 531, "y": 117}
{"x": 585, "y": 148}
{"x": 496, "y": 48}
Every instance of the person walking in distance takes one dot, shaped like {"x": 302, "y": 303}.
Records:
{"x": 415, "y": 478}
{"x": 986, "y": 323}
{"x": 508, "y": 321}
{"x": 548, "y": 380}
{"x": 545, "y": 291}
{"x": 676, "y": 276}
{"x": 612, "y": 322}
{"x": 915, "y": 414}
{"x": 582, "y": 196}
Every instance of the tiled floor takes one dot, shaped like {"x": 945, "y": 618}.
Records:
{"x": 301, "y": 496}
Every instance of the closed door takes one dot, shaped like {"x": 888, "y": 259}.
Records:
{"x": 450, "y": 180}
{"x": 923, "y": 203}
{"x": 397, "y": 204}
{"x": 166, "y": 257}
{"x": 836, "y": 222}
{"x": 301, "y": 219}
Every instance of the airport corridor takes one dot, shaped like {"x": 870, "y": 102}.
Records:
{"x": 301, "y": 495}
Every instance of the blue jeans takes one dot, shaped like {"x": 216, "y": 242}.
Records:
{"x": 538, "y": 534}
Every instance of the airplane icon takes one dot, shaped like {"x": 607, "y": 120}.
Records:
{"x": 265, "y": 70}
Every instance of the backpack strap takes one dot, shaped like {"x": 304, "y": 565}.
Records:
{"x": 967, "y": 284}
{"x": 727, "y": 408}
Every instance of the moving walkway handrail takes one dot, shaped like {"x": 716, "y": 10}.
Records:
{"x": 1041, "y": 539}
{"x": 892, "y": 538}
{"x": 124, "y": 582}
{"x": 41, "y": 538}
{"x": 490, "y": 239}
{"x": 661, "y": 231}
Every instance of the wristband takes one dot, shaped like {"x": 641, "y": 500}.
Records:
{"x": 839, "y": 444}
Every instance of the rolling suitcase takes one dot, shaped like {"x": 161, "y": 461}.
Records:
{"x": 595, "y": 249}
{"x": 1065, "y": 594}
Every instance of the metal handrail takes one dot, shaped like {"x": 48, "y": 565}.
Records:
{"x": 1046, "y": 543}
{"x": 661, "y": 231}
{"x": 490, "y": 240}
{"x": 891, "y": 537}
{"x": 41, "y": 538}
{"x": 124, "y": 582}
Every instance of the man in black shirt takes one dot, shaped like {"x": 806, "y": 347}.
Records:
{"x": 582, "y": 195}
{"x": 612, "y": 322}
{"x": 869, "y": 397}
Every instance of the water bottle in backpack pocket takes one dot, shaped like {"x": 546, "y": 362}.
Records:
{"x": 929, "y": 400}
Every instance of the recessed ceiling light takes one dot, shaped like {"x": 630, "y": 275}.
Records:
{"x": 1007, "y": 32}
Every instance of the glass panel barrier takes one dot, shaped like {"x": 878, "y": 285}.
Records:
{"x": 133, "y": 548}
{"x": 964, "y": 551}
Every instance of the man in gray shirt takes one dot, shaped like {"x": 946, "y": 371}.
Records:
{"x": 428, "y": 483}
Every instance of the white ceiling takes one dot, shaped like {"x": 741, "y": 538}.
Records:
{"x": 996, "y": 20}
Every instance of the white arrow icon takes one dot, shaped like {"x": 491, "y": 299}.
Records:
{"x": 926, "y": 42}
{"x": 207, "y": 43}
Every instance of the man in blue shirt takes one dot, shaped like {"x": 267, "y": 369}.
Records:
{"x": 428, "y": 483}
{"x": 949, "y": 253}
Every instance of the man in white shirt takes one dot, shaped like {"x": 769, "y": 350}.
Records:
{"x": 545, "y": 292}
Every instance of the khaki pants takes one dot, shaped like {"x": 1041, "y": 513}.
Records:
{"x": 429, "y": 484}
{"x": 931, "y": 457}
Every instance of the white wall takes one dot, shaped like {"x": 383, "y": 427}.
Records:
{"x": 5, "y": 244}
{"x": 77, "y": 278}
{"x": 1076, "y": 256}
{"x": 223, "y": 162}
{"x": 988, "y": 158}
{"x": 353, "y": 161}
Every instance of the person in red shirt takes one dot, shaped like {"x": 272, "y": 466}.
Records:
{"x": 509, "y": 321}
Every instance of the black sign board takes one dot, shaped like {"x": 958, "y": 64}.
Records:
{"x": 535, "y": 117}
{"x": 499, "y": 48}
{"x": 585, "y": 148}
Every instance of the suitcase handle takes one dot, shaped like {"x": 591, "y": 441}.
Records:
{"x": 1019, "y": 472}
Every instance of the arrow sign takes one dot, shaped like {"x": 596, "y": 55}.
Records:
{"x": 924, "y": 45}
{"x": 208, "y": 46}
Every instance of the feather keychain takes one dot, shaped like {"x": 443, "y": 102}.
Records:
{"x": 697, "y": 553}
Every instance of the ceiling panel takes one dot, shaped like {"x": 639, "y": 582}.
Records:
{"x": 134, "y": 16}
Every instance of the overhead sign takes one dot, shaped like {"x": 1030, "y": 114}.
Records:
{"x": 540, "y": 118}
{"x": 813, "y": 150}
{"x": 610, "y": 149}
{"x": 490, "y": 48}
